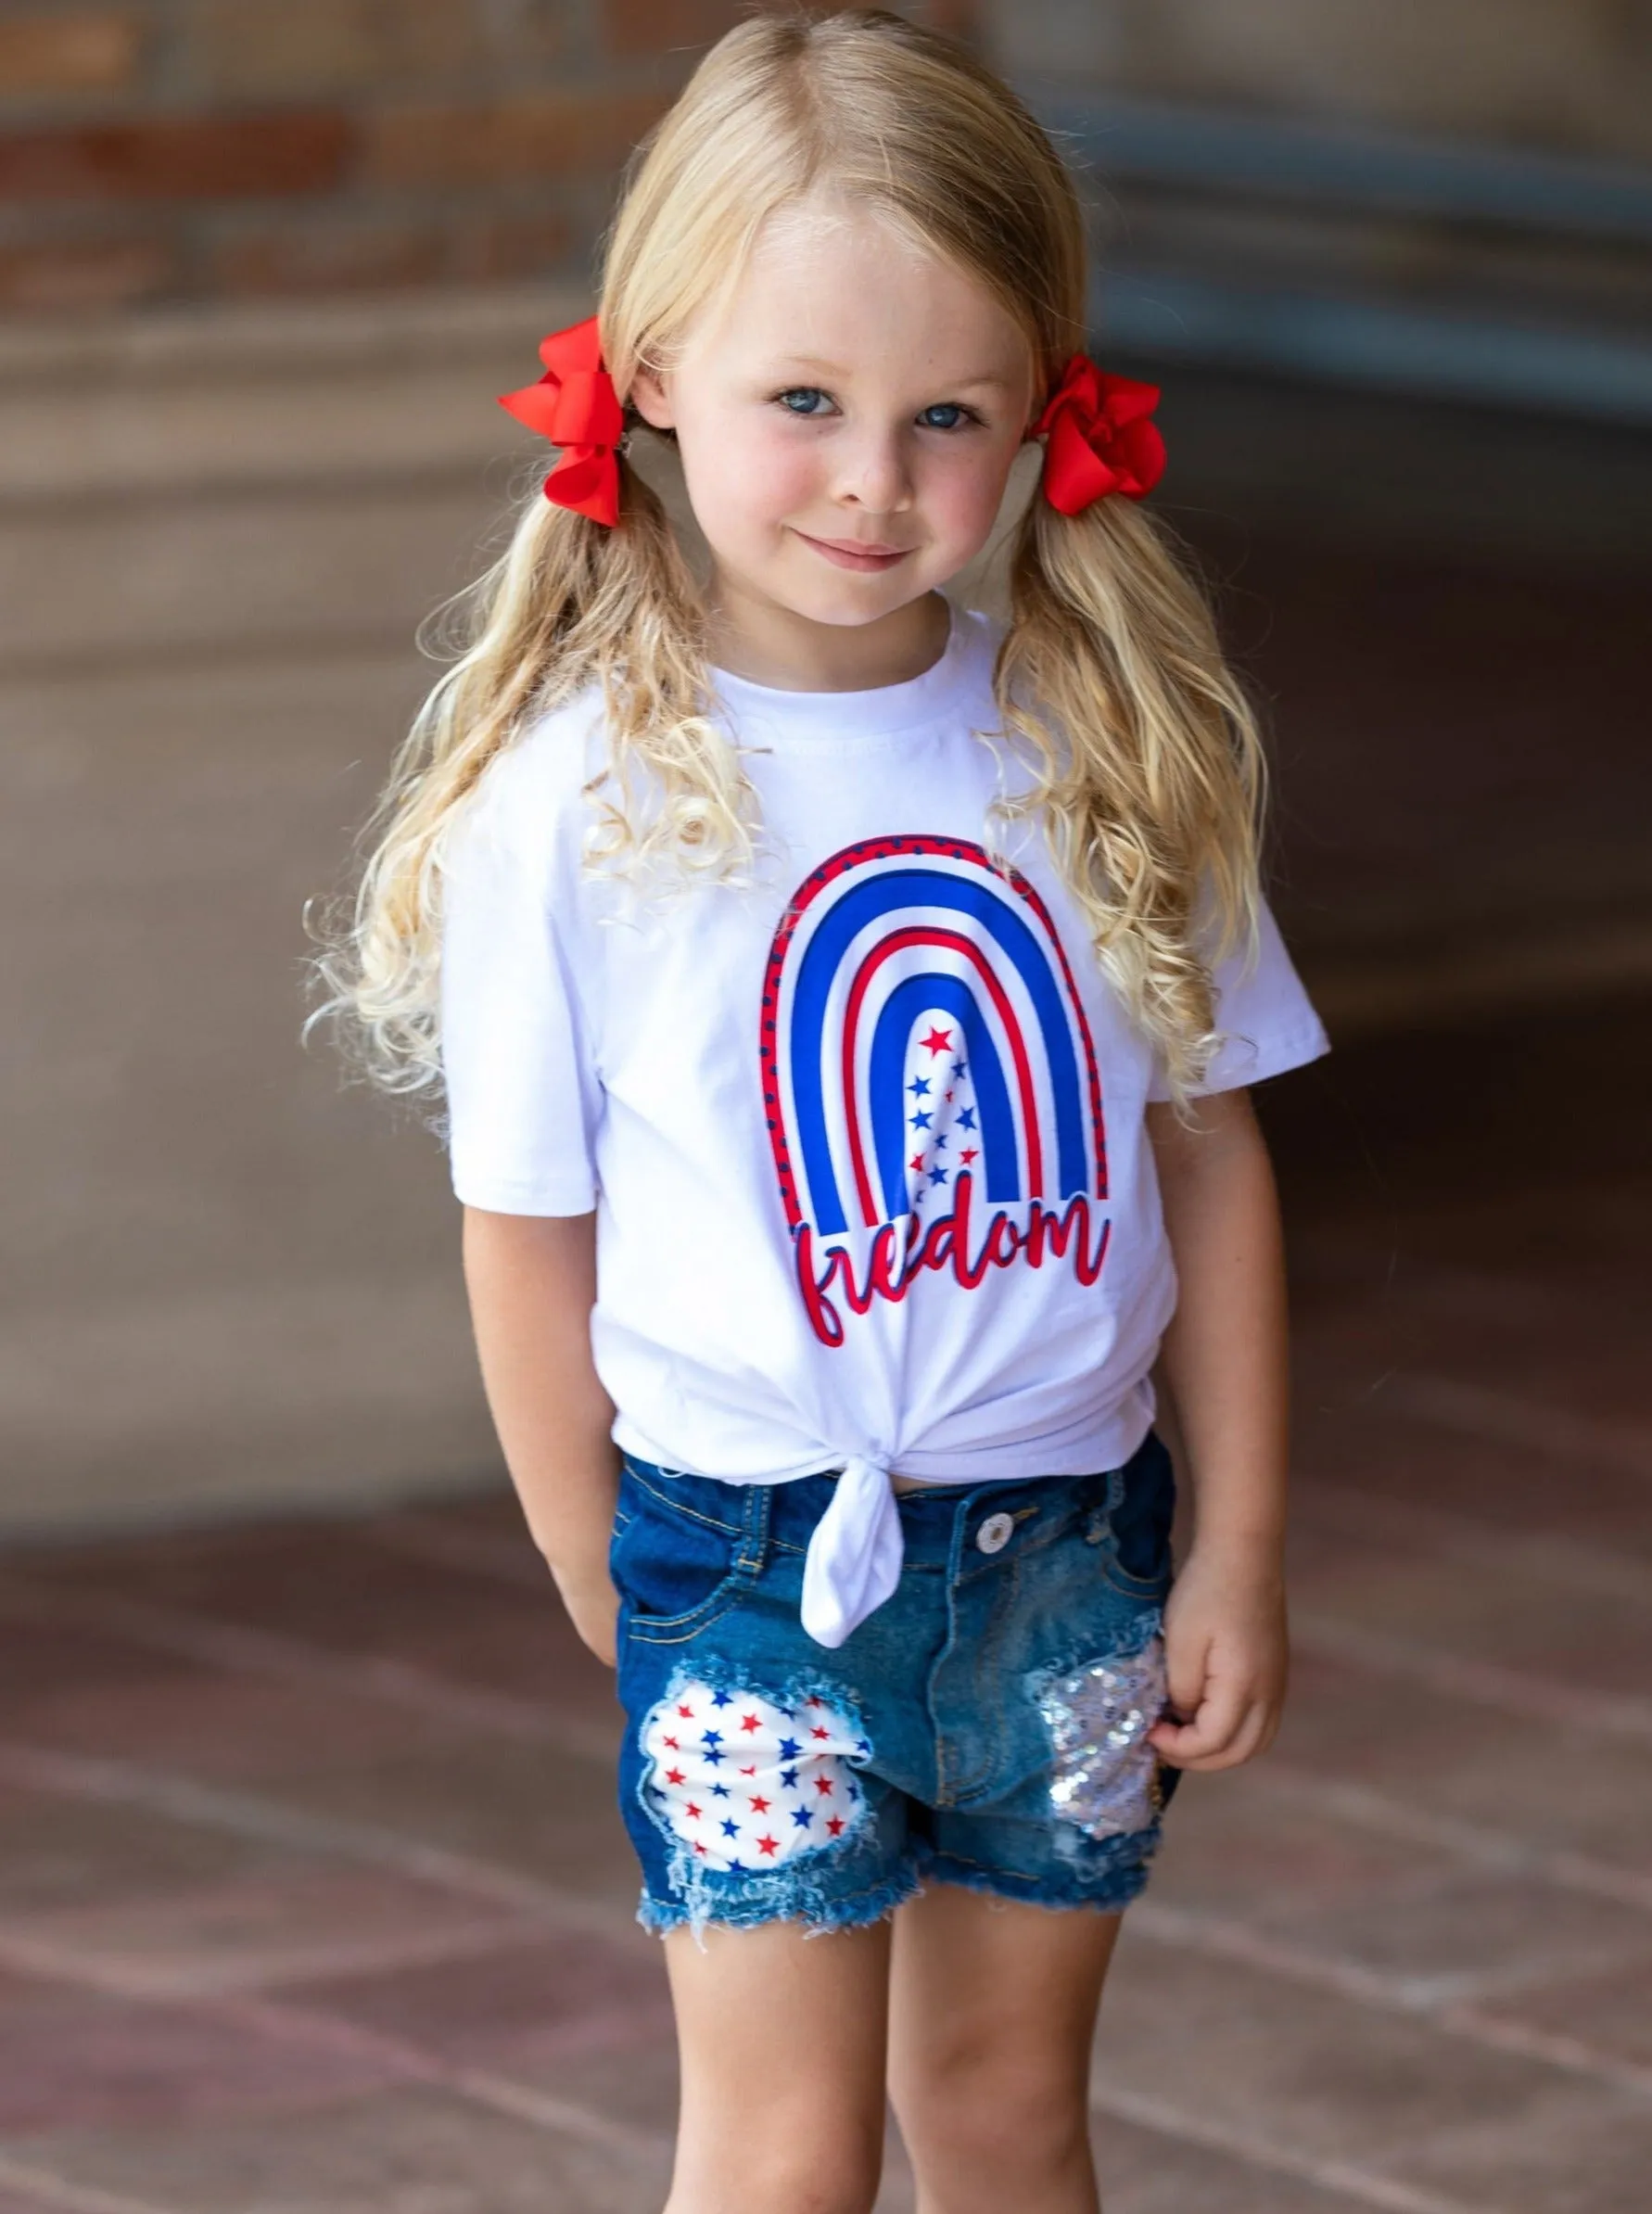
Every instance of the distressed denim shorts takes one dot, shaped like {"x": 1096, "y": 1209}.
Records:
{"x": 985, "y": 1726}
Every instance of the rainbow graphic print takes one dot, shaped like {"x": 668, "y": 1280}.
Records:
{"x": 929, "y": 1078}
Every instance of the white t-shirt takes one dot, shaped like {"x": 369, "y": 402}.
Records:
{"x": 865, "y": 1139}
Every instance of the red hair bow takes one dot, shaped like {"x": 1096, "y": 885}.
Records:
{"x": 1100, "y": 441}
{"x": 576, "y": 407}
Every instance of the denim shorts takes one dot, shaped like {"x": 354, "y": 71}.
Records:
{"x": 985, "y": 1726}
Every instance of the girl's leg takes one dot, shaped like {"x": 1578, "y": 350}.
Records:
{"x": 782, "y": 2039}
{"x": 993, "y": 2007}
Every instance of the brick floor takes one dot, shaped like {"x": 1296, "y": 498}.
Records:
{"x": 312, "y": 1892}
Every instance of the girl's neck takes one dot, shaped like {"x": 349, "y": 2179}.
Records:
{"x": 765, "y": 644}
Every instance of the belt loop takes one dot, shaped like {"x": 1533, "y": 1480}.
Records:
{"x": 754, "y": 1543}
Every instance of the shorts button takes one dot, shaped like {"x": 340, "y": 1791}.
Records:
{"x": 996, "y": 1532}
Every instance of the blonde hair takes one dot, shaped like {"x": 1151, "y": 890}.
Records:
{"x": 1147, "y": 769}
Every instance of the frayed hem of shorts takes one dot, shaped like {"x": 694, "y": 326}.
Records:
{"x": 750, "y": 1907}
{"x": 1126, "y": 1886}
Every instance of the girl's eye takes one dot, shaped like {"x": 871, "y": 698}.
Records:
{"x": 809, "y": 401}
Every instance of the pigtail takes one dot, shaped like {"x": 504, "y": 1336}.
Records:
{"x": 569, "y": 602}
{"x": 1152, "y": 773}
{"x": 673, "y": 804}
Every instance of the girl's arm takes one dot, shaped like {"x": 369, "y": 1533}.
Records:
{"x": 1224, "y": 1361}
{"x": 532, "y": 1283}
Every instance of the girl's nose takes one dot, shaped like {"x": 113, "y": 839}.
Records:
{"x": 873, "y": 475}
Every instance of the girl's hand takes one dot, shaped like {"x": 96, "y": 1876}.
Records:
{"x": 1226, "y": 1655}
{"x": 594, "y": 1609}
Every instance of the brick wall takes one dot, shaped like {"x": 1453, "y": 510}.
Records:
{"x": 165, "y": 149}
{"x": 157, "y": 149}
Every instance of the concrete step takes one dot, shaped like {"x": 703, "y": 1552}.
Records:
{"x": 185, "y": 401}
{"x": 298, "y": 569}
{"x": 228, "y": 484}
{"x": 232, "y": 1279}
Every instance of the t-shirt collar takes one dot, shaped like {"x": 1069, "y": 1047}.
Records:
{"x": 884, "y": 711}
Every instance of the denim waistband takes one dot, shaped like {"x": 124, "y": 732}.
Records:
{"x": 934, "y": 1521}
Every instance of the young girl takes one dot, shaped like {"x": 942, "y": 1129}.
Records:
{"x": 844, "y": 1001}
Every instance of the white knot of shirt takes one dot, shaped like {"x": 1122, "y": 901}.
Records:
{"x": 853, "y": 1562}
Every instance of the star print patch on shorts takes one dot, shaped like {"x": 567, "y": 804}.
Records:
{"x": 746, "y": 1784}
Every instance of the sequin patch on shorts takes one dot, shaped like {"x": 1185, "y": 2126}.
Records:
{"x": 1105, "y": 1776}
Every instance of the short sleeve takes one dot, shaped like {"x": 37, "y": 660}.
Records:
{"x": 524, "y": 1098}
{"x": 1267, "y": 1020}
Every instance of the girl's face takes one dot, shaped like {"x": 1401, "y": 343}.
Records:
{"x": 847, "y": 420}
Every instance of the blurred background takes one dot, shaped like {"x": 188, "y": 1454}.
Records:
{"x": 311, "y": 1894}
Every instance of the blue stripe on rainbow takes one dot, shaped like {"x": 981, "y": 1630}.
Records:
{"x": 998, "y": 931}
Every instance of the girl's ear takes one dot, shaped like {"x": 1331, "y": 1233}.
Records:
{"x": 650, "y": 398}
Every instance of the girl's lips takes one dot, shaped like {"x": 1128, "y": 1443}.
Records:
{"x": 849, "y": 557}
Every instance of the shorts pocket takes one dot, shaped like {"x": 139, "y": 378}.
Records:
{"x": 676, "y": 1569}
{"x": 1130, "y": 1524}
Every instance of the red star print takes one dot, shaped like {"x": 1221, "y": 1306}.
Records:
{"x": 820, "y": 1730}
{"x": 768, "y": 1844}
{"x": 968, "y": 1153}
{"x": 938, "y": 1041}
{"x": 698, "y": 1847}
{"x": 816, "y": 1701}
{"x": 823, "y": 1784}
{"x": 687, "y": 1713}
{"x": 751, "y": 1771}
{"x": 836, "y": 1826}
{"x": 750, "y": 1722}
{"x": 916, "y": 1164}
{"x": 673, "y": 1776}
{"x": 673, "y": 1744}
{"x": 693, "y": 1812}
{"x": 759, "y": 1806}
